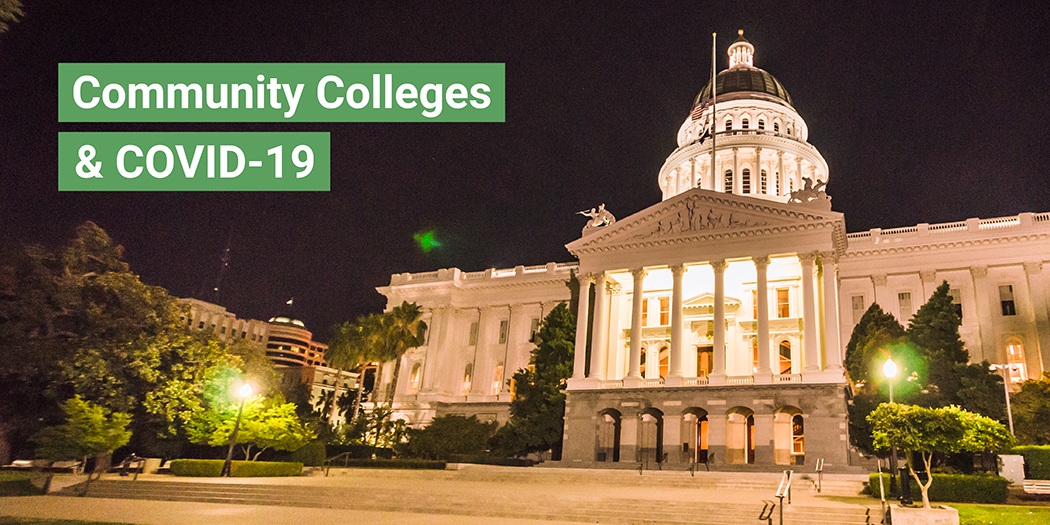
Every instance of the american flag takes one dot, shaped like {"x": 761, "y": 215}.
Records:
{"x": 699, "y": 110}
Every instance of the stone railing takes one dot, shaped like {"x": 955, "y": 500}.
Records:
{"x": 740, "y": 380}
{"x": 558, "y": 270}
{"x": 787, "y": 378}
{"x": 880, "y": 236}
{"x": 694, "y": 381}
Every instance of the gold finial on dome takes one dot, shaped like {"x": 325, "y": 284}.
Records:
{"x": 740, "y": 32}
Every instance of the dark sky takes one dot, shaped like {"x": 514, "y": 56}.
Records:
{"x": 925, "y": 112}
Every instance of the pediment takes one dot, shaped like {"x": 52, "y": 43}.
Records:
{"x": 701, "y": 214}
{"x": 707, "y": 300}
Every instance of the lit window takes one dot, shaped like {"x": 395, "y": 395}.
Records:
{"x": 1015, "y": 358}
{"x": 1006, "y": 298}
{"x": 797, "y": 435}
{"x": 783, "y": 303}
{"x": 857, "y": 302}
{"x": 665, "y": 361}
{"x": 497, "y": 379}
{"x": 754, "y": 356}
{"x": 728, "y": 189}
{"x": 641, "y": 365}
{"x": 413, "y": 382}
{"x": 785, "y": 357}
{"x": 503, "y": 326}
{"x": 754, "y": 304}
{"x": 473, "y": 334}
{"x": 665, "y": 311}
{"x": 956, "y": 296}
{"x": 904, "y": 303}
{"x": 745, "y": 181}
{"x": 645, "y": 314}
{"x": 467, "y": 373}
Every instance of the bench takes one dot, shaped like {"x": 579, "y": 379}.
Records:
{"x": 1037, "y": 486}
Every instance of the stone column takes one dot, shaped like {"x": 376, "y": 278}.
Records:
{"x": 781, "y": 176}
{"x": 798, "y": 173}
{"x": 882, "y": 293}
{"x": 736, "y": 173}
{"x": 929, "y": 284}
{"x": 674, "y": 373}
{"x": 718, "y": 372}
{"x": 481, "y": 375}
{"x": 987, "y": 301}
{"x": 763, "y": 375}
{"x": 692, "y": 173}
{"x": 439, "y": 317}
{"x": 614, "y": 348}
{"x": 579, "y": 358}
{"x": 1038, "y": 295}
{"x": 810, "y": 321}
{"x": 599, "y": 335}
{"x": 833, "y": 348}
{"x": 756, "y": 187}
{"x": 634, "y": 369}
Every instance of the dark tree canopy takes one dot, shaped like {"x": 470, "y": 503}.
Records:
{"x": 935, "y": 330}
{"x": 1031, "y": 407}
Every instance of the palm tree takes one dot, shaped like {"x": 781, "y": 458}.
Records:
{"x": 400, "y": 332}
{"x": 347, "y": 349}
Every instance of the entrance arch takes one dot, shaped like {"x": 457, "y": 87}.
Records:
{"x": 694, "y": 434}
{"x": 607, "y": 436}
{"x": 740, "y": 436}
{"x": 789, "y": 445}
{"x": 651, "y": 444}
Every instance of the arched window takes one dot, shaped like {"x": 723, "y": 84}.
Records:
{"x": 665, "y": 356}
{"x": 468, "y": 372}
{"x": 798, "y": 436}
{"x": 761, "y": 124}
{"x": 745, "y": 181}
{"x": 776, "y": 127}
{"x": 607, "y": 442}
{"x": 1015, "y": 358}
{"x": 788, "y": 437}
{"x": 785, "y": 357}
{"x": 728, "y": 182}
{"x": 704, "y": 356}
{"x": 729, "y": 124}
{"x": 414, "y": 378}
{"x": 764, "y": 181}
{"x": 789, "y": 130}
{"x": 744, "y": 124}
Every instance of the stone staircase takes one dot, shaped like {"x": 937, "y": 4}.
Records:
{"x": 600, "y": 497}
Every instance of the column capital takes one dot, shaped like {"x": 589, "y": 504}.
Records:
{"x": 758, "y": 149}
{"x": 516, "y": 306}
{"x": 639, "y": 273}
{"x": 613, "y": 287}
{"x": 879, "y": 279}
{"x": 807, "y": 258}
{"x": 585, "y": 278}
{"x": 1033, "y": 267}
{"x": 719, "y": 265}
{"x": 828, "y": 257}
{"x": 600, "y": 278}
{"x": 693, "y": 161}
{"x": 678, "y": 270}
{"x": 780, "y": 153}
{"x": 928, "y": 276}
{"x": 979, "y": 272}
{"x": 734, "y": 150}
{"x": 761, "y": 262}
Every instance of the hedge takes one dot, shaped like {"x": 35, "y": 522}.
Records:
{"x": 491, "y": 460}
{"x": 211, "y": 468}
{"x": 1036, "y": 460}
{"x": 951, "y": 488}
{"x": 392, "y": 463}
{"x": 310, "y": 455}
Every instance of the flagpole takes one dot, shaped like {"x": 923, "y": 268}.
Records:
{"x": 714, "y": 121}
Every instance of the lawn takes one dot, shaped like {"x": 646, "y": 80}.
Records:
{"x": 975, "y": 514}
{"x": 16, "y": 484}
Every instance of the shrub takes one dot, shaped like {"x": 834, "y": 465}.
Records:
{"x": 211, "y": 468}
{"x": 359, "y": 451}
{"x": 310, "y": 455}
{"x": 951, "y": 488}
{"x": 418, "y": 464}
{"x": 491, "y": 460}
{"x": 448, "y": 435}
{"x": 17, "y": 484}
{"x": 1036, "y": 460}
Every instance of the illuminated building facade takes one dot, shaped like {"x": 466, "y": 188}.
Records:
{"x": 712, "y": 325}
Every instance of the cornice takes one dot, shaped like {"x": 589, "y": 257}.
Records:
{"x": 946, "y": 245}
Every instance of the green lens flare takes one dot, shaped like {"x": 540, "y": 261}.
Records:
{"x": 426, "y": 241}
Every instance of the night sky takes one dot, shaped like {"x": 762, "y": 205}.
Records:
{"x": 925, "y": 112}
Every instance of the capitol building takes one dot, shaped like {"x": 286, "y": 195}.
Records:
{"x": 712, "y": 325}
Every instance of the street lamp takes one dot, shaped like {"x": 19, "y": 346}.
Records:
{"x": 1006, "y": 390}
{"x": 890, "y": 371}
{"x": 244, "y": 392}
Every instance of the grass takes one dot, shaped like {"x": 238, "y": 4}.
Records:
{"x": 975, "y": 514}
{"x": 16, "y": 484}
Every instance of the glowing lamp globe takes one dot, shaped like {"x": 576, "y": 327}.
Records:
{"x": 245, "y": 391}
{"x": 890, "y": 368}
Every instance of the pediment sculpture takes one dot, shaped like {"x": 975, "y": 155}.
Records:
{"x": 599, "y": 218}
{"x": 812, "y": 193}
{"x": 695, "y": 218}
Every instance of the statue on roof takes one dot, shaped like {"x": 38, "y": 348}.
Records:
{"x": 812, "y": 192}
{"x": 599, "y": 217}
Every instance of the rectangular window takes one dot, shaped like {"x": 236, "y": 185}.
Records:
{"x": 857, "y": 302}
{"x": 783, "y": 303}
{"x": 645, "y": 312}
{"x": 665, "y": 311}
{"x": 956, "y": 301}
{"x": 473, "y": 334}
{"x": 1006, "y": 298}
{"x": 754, "y": 304}
{"x": 904, "y": 305}
{"x": 503, "y": 326}
{"x": 534, "y": 329}
{"x": 704, "y": 355}
{"x": 497, "y": 380}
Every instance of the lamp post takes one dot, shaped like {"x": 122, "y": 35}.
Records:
{"x": 244, "y": 392}
{"x": 1006, "y": 390}
{"x": 890, "y": 371}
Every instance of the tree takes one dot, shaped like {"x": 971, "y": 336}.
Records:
{"x": 350, "y": 347}
{"x": 89, "y": 430}
{"x": 1031, "y": 408}
{"x": 926, "y": 431}
{"x": 537, "y": 410}
{"x": 10, "y": 10}
{"x": 448, "y": 435}
{"x": 873, "y": 332}
{"x": 935, "y": 329}
{"x": 267, "y": 422}
{"x": 396, "y": 334}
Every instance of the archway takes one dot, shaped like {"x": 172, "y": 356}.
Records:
{"x": 788, "y": 436}
{"x": 607, "y": 436}
{"x": 740, "y": 436}
{"x": 651, "y": 445}
{"x": 694, "y": 434}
